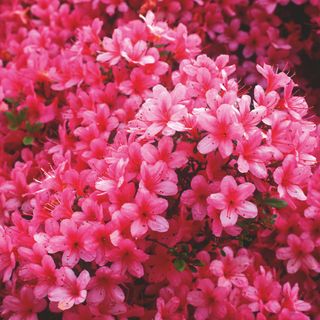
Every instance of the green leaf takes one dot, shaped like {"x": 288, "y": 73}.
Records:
{"x": 275, "y": 203}
{"x": 179, "y": 264}
{"x": 33, "y": 128}
{"x": 27, "y": 140}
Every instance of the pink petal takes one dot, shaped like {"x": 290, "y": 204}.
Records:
{"x": 228, "y": 183}
{"x": 217, "y": 200}
{"x": 158, "y": 223}
{"x": 293, "y": 265}
{"x": 58, "y": 294}
{"x": 243, "y": 165}
{"x": 311, "y": 263}
{"x": 228, "y": 218}
{"x": 199, "y": 211}
{"x": 138, "y": 228}
{"x": 296, "y": 192}
{"x": 247, "y": 210}
{"x": 83, "y": 279}
{"x": 225, "y": 148}
{"x": 207, "y": 144}
{"x": 136, "y": 269}
{"x": 284, "y": 253}
{"x": 196, "y": 298}
{"x": 240, "y": 280}
{"x": 166, "y": 188}
{"x": 70, "y": 258}
{"x": 217, "y": 268}
{"x": 245, "y": 190}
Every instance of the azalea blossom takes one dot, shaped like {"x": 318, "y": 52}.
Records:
{"x": 232, "y": 201}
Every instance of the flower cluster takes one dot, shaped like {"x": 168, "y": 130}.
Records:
{"x": 139, "y": 180}
{"x": 284, "y": 33}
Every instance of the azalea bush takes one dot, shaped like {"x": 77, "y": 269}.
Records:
{"x": 140, "y": 176}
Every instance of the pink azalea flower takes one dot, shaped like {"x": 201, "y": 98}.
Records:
{"x": 253, "y": 156}
{"x": 155, "y": 179}
{"x": 73, "y": 242}
{"x": 136, "y": 53}
{"x": 23, "y": 306}
{"x": 7, "y": 256}
{"x": 274, "y": 80}
{"x": 291, "y": 300}
{"x": 232, "y": 201}
{"x": 105, "y": 286}
{"x": 210, "y": 301}
{"x": 222, "y": 130}
{"x": 298, "y": 254}
{"x": 126, "y": 256}
{"x": 164, "y": 152}
{"x": 165, "y": 111}
{"x": 196, "y": 197}
{"x": 112, "y": 48}
{"x": 71, "y": 289}
{"x": 264, "y": 294}
{"x": 45, "y": 274}
{"x": 146, "y": 213}
{"x": 229, "y": 269}
{"x": 290, "y": 177}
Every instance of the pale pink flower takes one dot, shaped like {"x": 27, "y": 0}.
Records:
{"x": 298, "y": 254}
{"x": 232, "y": 201}
{"x": 71, "y": 289}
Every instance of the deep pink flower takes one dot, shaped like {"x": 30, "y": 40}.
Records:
{"x": 23, "y": 306}
{"x": 136, "y": 53}
{"x": 264, "y": 294}
{"x": 298, "y": 254}
{"x": 156, "y": 179}
{"x": 7, "y": 256}
{"x": 210, "y": 301}
{"x": 105, "y": 286}
{"x": 112, "y": 48}
{"x": 73, "y": 243}
{"x": 71, "y": 289}
{"x": 126, "y": 256}
{"x": 146, "y": 213}
{"x": 164, "y": 112}
{"x": 196, "y": 197}
{"x": 222, "y": 130}
{"x": 252, "y": 156}
{"x": 164, "y": 152}
{"x": 229, "y": 269}
{"x": 232, "y": 201}
{"x": 290, "y": 177}
{"x": 290, "y": 300}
